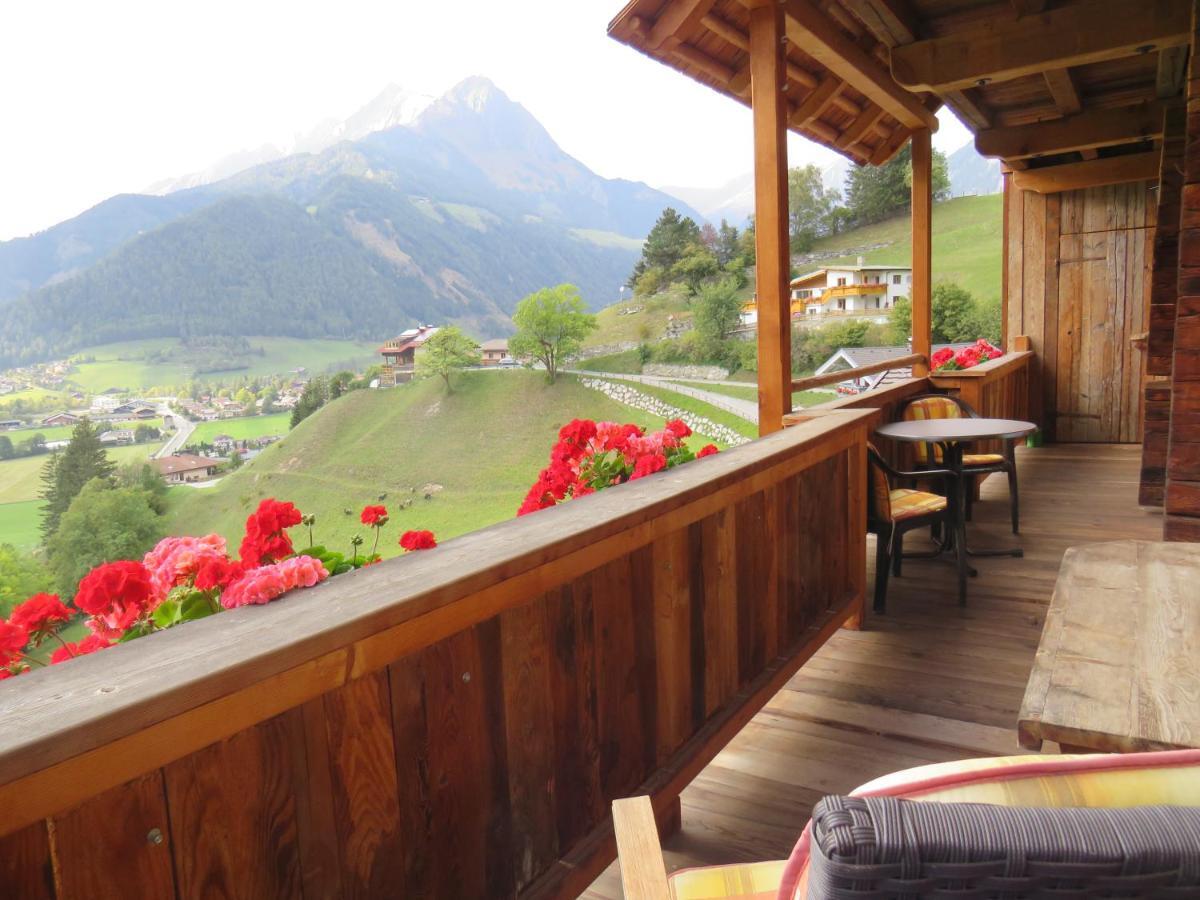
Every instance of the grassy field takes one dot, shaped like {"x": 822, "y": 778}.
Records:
{"x": 395, "y": 442}
{"x": 645, "y": 325}
{"x": 19, "y": 523}
{"x": 62, "y": 432}
{"x": 20, "y": 479}
{"x": 967, "y": 234}
{"x": 242, "y": 429}
{"x": 126, "y": 365}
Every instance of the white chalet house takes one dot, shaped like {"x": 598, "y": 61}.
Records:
{"x": 844, "y": 290}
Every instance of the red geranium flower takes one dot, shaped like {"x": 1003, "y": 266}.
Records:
{"x": 89, "y": 644}
{"x": 374, "y": 515}
{"x": 13, "y": 638}
{"x": 417, "y": 540}
{"x": 648, "y": 465}
{"x": 115, "y": 595}
{"x": 707, "y": 450}
{"x": 679, "y": 428}
{"x": 40, "y": 613}
{"x": 217, "y": 573}
{"x": 266, "y": 539}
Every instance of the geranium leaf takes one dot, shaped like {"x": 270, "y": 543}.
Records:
{"x": 167, "y": 613}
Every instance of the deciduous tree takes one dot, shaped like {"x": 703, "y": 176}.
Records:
{"x": 809, "y": 206}
{"x": 551, "y": 324}
{"x": 447, "y": 352}
{"x": 102, "y": 524}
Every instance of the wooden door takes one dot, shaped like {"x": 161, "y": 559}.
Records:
{"x": 1077, "y": 284}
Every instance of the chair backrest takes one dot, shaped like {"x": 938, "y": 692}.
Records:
{"x": 879, "y": 498}
{"x": 885, "y": 847}
{"x": 933, "y": 406}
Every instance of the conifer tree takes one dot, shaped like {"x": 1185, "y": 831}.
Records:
{"x": 65, "y": 473}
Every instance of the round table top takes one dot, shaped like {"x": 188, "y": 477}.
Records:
{"x": 963, "y": 429}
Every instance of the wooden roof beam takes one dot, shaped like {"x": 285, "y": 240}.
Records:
{"x": 1172, "y": 72}
{"x": 1062, "y": 89}
{"x": 1087, "y": 130}
{"x": 676, "y": 22}
{"x": 1089, "y": 173}
{"x": 1085, "y": 32}
{"x": 817, "y": 35}
{"x": 891, "y": 21}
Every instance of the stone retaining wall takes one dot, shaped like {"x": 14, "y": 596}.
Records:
{"x": 635, "y": 399}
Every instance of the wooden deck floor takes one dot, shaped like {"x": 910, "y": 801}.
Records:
{"x": 928, "y": 682}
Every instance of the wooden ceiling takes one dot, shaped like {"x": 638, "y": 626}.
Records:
{"x": 1042, "y": 83}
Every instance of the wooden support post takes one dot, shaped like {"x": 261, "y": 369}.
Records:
{"x": 767, "y": 73}
{"x": 922, "y": 248}
{"x": 1182, "y": 499}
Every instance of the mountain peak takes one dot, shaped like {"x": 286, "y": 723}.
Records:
{"x": 476, "y": 93}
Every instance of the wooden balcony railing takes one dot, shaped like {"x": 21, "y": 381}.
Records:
{"x": 450, "y": 724}
{"x": 853, "y": 290}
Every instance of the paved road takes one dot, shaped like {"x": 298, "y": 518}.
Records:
{"x": 182, "y": 434}
{"x": 746, "y": 409}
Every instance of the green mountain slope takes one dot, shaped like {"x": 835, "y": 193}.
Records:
{"x": 371, "y": 443}
{"x": 967, "y": 248}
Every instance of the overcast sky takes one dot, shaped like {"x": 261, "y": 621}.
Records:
{"x": 103, "y": 98}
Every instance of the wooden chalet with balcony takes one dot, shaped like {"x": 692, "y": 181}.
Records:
{"x": 458, "y": 723}
{"x": 400, "y": 355}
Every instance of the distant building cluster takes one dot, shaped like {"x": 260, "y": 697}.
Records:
{"x": 400, "y": 354}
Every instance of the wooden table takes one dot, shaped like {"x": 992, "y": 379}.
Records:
{"x": 1118, "y": 666}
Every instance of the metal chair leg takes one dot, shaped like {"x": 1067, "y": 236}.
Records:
{"x": 1014, "y": 501}
{"x": 882, "y": 564}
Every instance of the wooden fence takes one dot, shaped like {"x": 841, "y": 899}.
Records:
{"x": 451, "y": 724}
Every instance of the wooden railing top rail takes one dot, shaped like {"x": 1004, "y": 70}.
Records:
{"x": 900, "y": 362}
{"x": 993, "y": 368}
{"x": 108, "y": 717}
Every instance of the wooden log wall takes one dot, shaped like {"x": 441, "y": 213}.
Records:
{"x": 450, "y": 724}
{"x": 1078, "y": 284}
{"x": 1182, "y": 499}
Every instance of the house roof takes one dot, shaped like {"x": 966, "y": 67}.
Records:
{"x": 182, "y": 462}
{"x": 1074, "y": 89}
{"x": 408, "y": 340}
{"x": 495, "y": 344}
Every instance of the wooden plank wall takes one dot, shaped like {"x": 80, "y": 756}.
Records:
{"x": 484, "y": 763}
{"x": 1078, "y": 275}
{"x": 1182, "y": 500}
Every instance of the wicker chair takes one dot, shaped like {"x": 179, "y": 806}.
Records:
{"x": 943, "y": 406}
{"x": 894, "y": 510}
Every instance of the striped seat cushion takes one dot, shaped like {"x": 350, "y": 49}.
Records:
{"x": 930, "y": 408}
{"x": 745, "y": 881}
{"x": 982, "y": 459}
{"x": 906, "y": 503}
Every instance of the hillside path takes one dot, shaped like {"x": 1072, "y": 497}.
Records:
{"x": 746, "y": 409}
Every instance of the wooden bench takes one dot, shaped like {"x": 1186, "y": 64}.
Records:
{"x": 1118, "y": 665}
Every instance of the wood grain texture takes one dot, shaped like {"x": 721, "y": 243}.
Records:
{"x": 358, "y": 721}
{"x": 26, "y": 870}
{"x": 233, "y": 819}
{"x": 117, "y": 845}
{"x": 1116, "y": 666}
